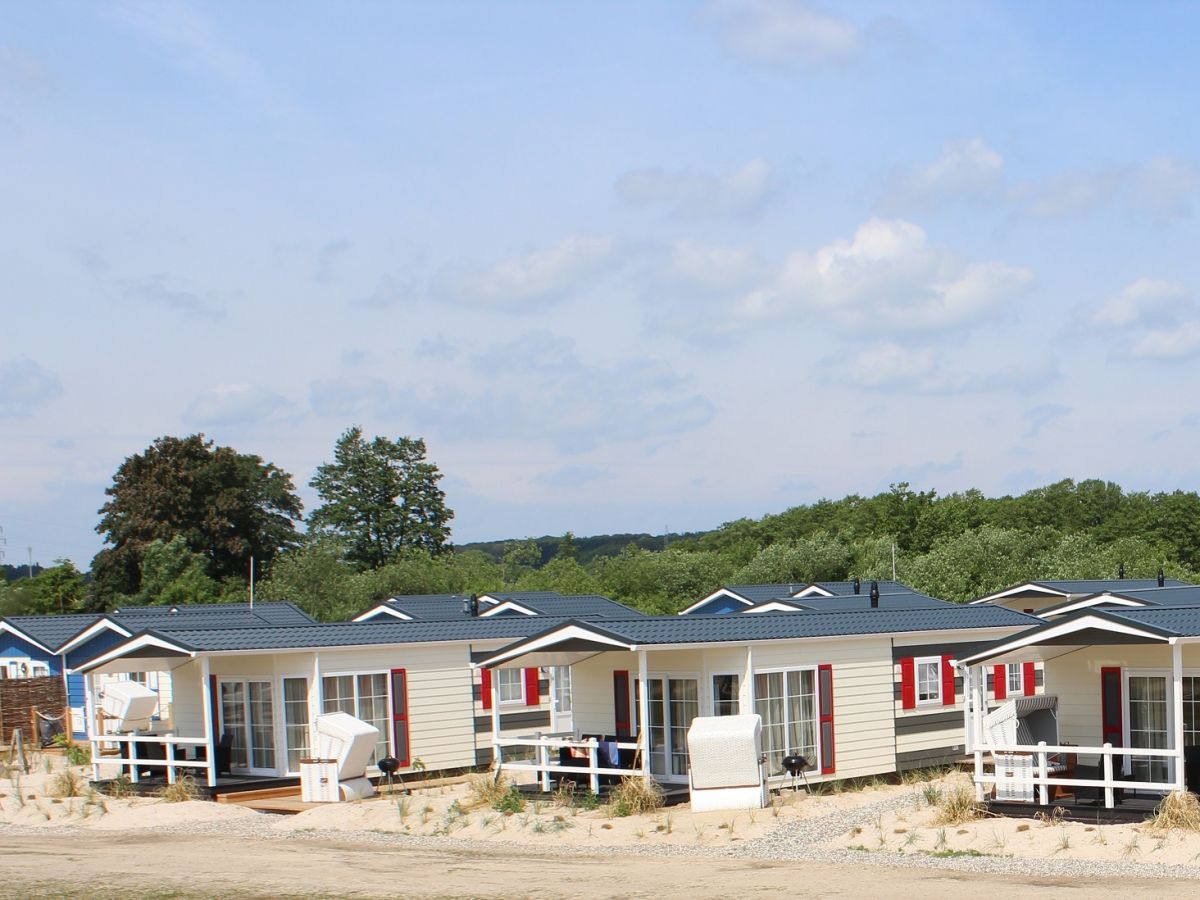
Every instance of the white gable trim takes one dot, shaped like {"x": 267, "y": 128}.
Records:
{"x": 143, "y": 640}
{"x": 381, "y": 609}
{"x": 91, "y": 631}
{"x": 772, "y": 606}
{"x": 508, "y": 606}
{"x": 813, "y": 590}
{"x": 1028, "y": 588}
{"x": 1094, "y": 600}
{"x": 14, "y": 630}
{"x": 713, "y": 596}
{"x": 565, "y": 633}
{"x": 1061, "y": 630}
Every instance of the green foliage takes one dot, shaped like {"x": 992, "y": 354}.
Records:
{"x": 59, "y": 589}
{"x": 817, "y": 557}
{"x": 381, "y": 496}
{"x": 662, "y": 582}
{"x": 226, "y": 506}
{"x": 172, "y": 574}
{"x": 509, "y": 802}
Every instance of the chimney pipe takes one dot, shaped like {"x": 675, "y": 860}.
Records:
{"x": 857, "y": 586}
{"x": 874, "y": 595}
{"x": 1162, "y": 581}
{"x": 474, "y": 605}
{"x": 1121, "y": 571}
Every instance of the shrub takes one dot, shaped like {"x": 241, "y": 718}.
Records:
{"x": 958, "y": 805}
{"x": 68, "y": 783}
{"x": 182, "y": 790}
{"x": 1179, "y": 809}
{"x": 510, "y": 802}
{"x": 487, "y": 790}
{"x": 635, "y": 795}
{"x": 119, "y": 787}
{"x": 79, "y": 754}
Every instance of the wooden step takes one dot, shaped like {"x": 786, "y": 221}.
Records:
{"x": 272, "y": 793}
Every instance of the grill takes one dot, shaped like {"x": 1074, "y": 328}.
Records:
{"x": 796, "y": 766}
{"x": 389, "y": 766}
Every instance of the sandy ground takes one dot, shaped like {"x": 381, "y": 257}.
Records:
{"x": 917, "y": 828}
{"x": 149, "y": 864}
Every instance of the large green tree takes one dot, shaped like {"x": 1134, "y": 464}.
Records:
{"x": 226, "y": 506}
{"x": 381, "y": 496}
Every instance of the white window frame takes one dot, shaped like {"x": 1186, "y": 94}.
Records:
{"x": 816, "y": 675}
{"x": 511, "y": 701}
{"x": 712, "y": 677}
{"x": 930, "y": 699}
{"x": 354, "y": 673}
{"x": 1009, "y": 669}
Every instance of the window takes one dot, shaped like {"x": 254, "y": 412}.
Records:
{"x": 787, "y": 703}
{"x": 725, "y": 695}
{"x": 929, "y": 679}
{"x": 1015, "y": 679}
{"x": 363, "y": 696}
{"x": 510, "y": 685}
{"x": 562, "y": 689}
{"x": 40, "y": 670}
{"x": 295, "y": 720}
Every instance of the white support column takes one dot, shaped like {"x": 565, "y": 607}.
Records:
{"x": 91, "y": 723}
{"x": 1177, "y": 739}
{"x": 748, "y": 690}
{"x": 1110, "y": 798}
{"x": 968, "y": 708}
{"x": 497, "y": 753}
{"x": 978, "y": 704}
{"x": 644, "y": 711}
{"x": 206, "y": 698}
{"x": 315, "y": 698}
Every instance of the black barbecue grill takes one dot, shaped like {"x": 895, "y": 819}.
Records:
{"x": 796, "y": 766}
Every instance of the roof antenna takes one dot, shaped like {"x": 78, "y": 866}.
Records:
{"x": 1121, "y": 571}
{"x": 1162, "y": 581}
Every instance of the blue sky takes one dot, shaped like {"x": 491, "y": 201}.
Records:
{"x": 623, "y": 266}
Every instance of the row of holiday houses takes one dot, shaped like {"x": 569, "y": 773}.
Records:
{"x": 859, "y": 679}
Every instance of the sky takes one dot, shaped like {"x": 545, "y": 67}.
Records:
{"x": 624, "y": 266}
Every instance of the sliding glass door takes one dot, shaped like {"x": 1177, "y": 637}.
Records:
{"x": 672, "y": 704}
{"x": 248, "y": 716}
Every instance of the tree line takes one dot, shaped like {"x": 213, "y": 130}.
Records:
{"x": 184, "y": 517}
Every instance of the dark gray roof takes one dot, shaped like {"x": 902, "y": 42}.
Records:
{"x": 53, "y": 631}
{"x": 1171, "y": 595}
{"x": 847, "y": 603}
{"x": 646, "y": 630}
{"x": 759, "y": 593}
{"x": 1181, "y": 621}
{"x": 450, "y": 607}
{"x": 271, "y": 612}
{"x": 1086, "y": 586}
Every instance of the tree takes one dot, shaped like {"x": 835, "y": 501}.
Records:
{"x": 519, "y": 558}
{"x": 59, "y": 589}
{"x": 381, "y": 496}
{"x": 172, "y": 574}
{"x": 226, "y": 506}
{"x": 568, "y": 548}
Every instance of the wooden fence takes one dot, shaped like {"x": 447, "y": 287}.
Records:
{"x": 19, "y": 697}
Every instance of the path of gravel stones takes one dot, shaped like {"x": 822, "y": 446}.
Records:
{"x": 798, "y": 839}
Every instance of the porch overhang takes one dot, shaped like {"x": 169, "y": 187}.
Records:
{"x": 147, "y": 652}
{"x": 568, "y": 644}
{"x": 1086, "y": 628}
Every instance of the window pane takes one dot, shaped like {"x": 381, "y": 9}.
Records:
{"x": 262, "y": 725}
{"x": 295, "y": 720}
{"x": 725, "y": 695}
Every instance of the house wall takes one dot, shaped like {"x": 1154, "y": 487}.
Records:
{"x": 18, "y": 650}
{"x": 1075, "y": 679}
{"x": 935, "y": 735}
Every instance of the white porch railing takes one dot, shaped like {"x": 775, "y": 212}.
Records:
{"x": 1043, "y": 780}
{"x": 542, "y": 765}
{"x": 170, "y": 760}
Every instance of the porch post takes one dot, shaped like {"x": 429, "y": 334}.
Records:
{"x": 978, "y": 699}
{"x": 91, "y": 724}
{"x": 497, "y": 753}
{"x": 749, "y": 688}
{"x": 644, "y": 712}
{"x": 206, "y": 698}
{"x": 315, "y": 698}
{"x": 1177, "y": 700}
{"x": 968, "y": 706}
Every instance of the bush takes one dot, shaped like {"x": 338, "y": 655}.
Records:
{"x": 68, "y": 783}
{"x": 635, "y": 795}
{"x": 486, "y": 790}
{"x": 182, "y": 790}
{"x": 1179, "y": 809}
{"x": 79, "y": 754}
{"x": 510, "y": 802}
{"x": 958, "y": 805}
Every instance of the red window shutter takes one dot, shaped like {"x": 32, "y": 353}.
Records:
{"x": 908, "y": 683}
{"x": 947, "y": 681}
{"x": 531, "y": 687}
{"x": 486, "y": 680}
{"x": 1112, "y": 722}
{"x": 1030, "y": 679}
{"x": 825, "y": 714}
{"x": 621, "y": 704}
{"x": 400, "y": 744}
{"x": 1000, "y": 682}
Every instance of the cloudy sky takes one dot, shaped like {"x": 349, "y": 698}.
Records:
{"x": 623, "y": 265}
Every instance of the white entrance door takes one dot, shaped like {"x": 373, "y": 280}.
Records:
{"x": 561, "y": 718}
{"x": 248, "y": 715}
{"x": 673, "y": 703}
{"x": 1149, "y": 718}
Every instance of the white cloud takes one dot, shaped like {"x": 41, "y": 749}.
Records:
{"x": 1163, "y": 189}
{"x": 967, "y": 170}
{"x": 1146, "y": 301}
{"x": 893, "y": 367}
{"x": 235, "y": 404}
{"x": 743, "y": 193}
{"x": 783, "y": 31}
{"x": 532, "y": 281}
{"x": 156, "y": 291}
{"x": 25, "y": 387}
{"x": 1168, "y": 344}
{"x": 1074, "y": 194}
{"x": 887, "y": 276}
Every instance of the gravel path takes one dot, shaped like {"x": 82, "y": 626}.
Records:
{"x": 792, "y": 840}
